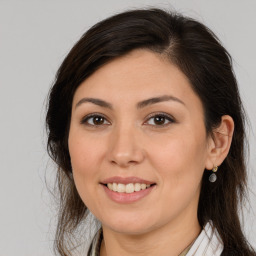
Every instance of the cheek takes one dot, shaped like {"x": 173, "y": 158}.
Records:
{"x": 180, "y": 160}
{"x": 84, "y": 151}
{"x": 180, "y": 167}
{"x": 179, "y": 151}
{"x": 85, "y": 155}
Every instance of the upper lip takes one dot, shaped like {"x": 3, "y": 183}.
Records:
{"x": 126, "y": 180}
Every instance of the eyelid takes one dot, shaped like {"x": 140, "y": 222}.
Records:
{"x": 91, "y": 115}
{"x": 169, "y": 117}
{"x": 163, "y": 114}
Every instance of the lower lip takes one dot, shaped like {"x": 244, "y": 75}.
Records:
{"x": 127, "y": 197}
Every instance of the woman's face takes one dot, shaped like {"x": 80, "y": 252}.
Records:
{"x": 137, "y": 123}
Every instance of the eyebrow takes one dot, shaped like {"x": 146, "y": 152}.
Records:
{"x": 140, "y": 104}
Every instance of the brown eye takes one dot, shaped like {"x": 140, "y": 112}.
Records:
{"x": 98, "y": 120}
{"x": 160, "y": 120}
{"x": 94, "y": 120}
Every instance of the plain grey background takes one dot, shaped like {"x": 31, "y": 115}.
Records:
{"x": 34, "y": 38}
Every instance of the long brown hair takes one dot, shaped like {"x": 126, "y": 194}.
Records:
{"x": 197, "y": 52}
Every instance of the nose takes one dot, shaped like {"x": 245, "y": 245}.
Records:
{"x": 125, "y": 148}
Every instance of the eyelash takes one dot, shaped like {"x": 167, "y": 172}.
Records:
{"x": 153, "y": 115}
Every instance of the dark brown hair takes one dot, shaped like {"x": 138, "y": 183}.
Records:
{"x": 197, "y": 52}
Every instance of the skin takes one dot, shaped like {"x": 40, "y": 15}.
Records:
{"x": 130, "y": 142}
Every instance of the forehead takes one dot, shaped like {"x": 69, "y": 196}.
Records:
{"x": 136, "y": 76}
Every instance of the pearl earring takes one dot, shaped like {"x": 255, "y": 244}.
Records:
{"x": 213, "y": 176}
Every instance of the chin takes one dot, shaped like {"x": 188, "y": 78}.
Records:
{"x": 130, "y": 230}
{"x": 129, "y": 225}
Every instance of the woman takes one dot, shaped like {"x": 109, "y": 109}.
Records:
{"x": 146, "y": 126}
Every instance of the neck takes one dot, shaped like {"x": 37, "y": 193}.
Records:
{"x": 171, "y": 240}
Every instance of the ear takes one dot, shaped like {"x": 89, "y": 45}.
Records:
{"x": 219, "y": 142}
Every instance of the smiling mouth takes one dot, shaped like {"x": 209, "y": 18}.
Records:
{"x": 128, "y": 188}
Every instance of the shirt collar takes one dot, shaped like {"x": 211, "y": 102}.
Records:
{"x": 94, "y": 249}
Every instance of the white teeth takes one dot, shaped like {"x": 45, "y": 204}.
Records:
{"x": 120, "y": 188}
{"x": 114, "y": 187}
{"x": 128, "y": 188}
{"x": 137, "y": 187}
{"x": 110, "y": 186}
{"x": 143, "y": 186}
